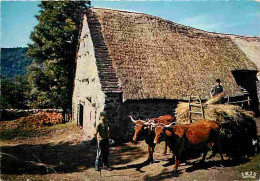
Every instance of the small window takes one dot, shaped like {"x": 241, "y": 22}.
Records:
{"x": 85, "y": 80}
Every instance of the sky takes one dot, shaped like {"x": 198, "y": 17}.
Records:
{"x": 234, "y": 17}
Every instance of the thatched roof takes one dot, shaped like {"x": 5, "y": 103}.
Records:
{"x": 250, "y": 46}
{"x": 153, "y": 58}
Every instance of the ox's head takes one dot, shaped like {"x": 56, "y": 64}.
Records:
{"x": 140, "y": 126}
{"x": 160, "y": 131}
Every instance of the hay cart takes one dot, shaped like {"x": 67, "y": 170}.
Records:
{"x": 237, "y": 127}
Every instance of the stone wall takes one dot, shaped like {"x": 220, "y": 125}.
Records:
{"x": 145, "y": 109}
{"x": 118, "y": 113}
{"x": 113, "y": 105}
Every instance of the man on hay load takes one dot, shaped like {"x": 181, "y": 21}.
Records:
{"x": 217, "y": 88}
{"x": 102, "y": 134}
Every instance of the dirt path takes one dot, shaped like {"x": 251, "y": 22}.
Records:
{"x": 63, "y": 155}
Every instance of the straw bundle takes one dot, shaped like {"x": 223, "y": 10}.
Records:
{"x": 216, "y": 99}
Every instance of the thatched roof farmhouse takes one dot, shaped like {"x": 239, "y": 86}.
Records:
{"x": 138, "y": 64}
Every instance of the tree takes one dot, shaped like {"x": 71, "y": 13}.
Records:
{"x": 54, "y": 48}
{"x": 14, "y": 92}
{"x": 14, "y": 61}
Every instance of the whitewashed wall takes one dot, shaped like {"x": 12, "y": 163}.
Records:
{"x": 87, "y": 86}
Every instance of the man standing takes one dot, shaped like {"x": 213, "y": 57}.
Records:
{"x": 216, "y": 89}
{"x": 102, "y": 133}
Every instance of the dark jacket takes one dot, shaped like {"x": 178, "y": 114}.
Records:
{"x": 216, "y": 90}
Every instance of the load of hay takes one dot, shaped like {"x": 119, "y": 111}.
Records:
{"x": 219, "y": 112}
{"x": 237, "y": 126}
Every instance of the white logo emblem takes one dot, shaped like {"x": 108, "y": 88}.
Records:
{"x": 249, "y": 174}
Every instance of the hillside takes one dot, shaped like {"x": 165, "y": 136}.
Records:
{"x": 14, "y": 61}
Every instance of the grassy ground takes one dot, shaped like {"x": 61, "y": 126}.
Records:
{"x": 60, "y": 153}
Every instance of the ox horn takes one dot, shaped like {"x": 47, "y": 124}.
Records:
{"x": 142, "y": 121}
{"x": 134, "y": 121}
{"x": 147, "y": 123}
{"x": 167, "y": 126}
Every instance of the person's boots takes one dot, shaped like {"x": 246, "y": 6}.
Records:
{"x": 97, "y": 165}
{"x": 105, "y": 164}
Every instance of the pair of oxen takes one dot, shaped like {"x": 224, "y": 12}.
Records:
{"x": 181, "y": 139}
{"x": 145, "y": 129}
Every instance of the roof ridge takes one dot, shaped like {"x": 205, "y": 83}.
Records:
{"x": 229, "y": 35}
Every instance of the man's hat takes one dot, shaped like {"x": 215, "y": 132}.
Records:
{"x": 218, "y": 80}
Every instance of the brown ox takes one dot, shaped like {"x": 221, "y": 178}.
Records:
{"x": 166, "y": 119}
{"x": 195, "y": 136}
{"x": 144, "y": 129}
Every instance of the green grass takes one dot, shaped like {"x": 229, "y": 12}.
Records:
{"x": 16, "y": 133}
{"x": 7, "y": 134}
{"x": 61, "y": 126}
{"x": 252, "y": 165}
